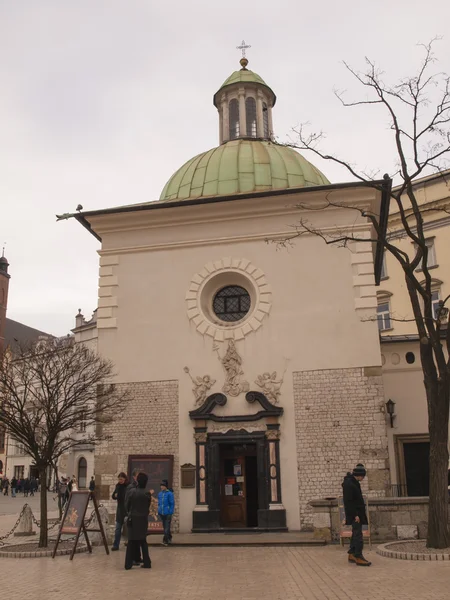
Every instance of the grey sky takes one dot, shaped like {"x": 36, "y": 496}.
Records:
{"x": 102, "y": 100}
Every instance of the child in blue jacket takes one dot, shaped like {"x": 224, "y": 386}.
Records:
{"x": 166, "y": 507}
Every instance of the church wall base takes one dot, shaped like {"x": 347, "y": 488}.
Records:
{"x": 208, "y": 521}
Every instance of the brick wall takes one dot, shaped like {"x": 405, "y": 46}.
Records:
{"x": 340, "y": 421}
{"x": 149, "y": 425}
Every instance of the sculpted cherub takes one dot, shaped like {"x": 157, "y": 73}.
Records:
{"x": 270, "y": 385}
{"x": 202, "y": 386}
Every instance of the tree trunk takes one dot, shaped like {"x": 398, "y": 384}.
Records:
{"x": 437, "y": 390}
{"x": 43, "y": 537}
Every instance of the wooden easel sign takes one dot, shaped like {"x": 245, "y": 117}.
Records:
{"x": 73, "y": 521}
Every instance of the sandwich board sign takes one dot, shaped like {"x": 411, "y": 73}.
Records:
{"x": 73, "y": 521}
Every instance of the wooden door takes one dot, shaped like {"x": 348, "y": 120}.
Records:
{"x": 233, "y": 492}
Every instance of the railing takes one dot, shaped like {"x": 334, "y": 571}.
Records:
{"x": 399, "y": 490}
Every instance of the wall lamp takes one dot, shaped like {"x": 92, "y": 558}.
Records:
{"x": 390, "y": 409}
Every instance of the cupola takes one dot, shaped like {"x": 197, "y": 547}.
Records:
{"x": 245, "y": 103}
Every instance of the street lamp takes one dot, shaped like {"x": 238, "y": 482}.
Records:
{"x": 390, "y": 409}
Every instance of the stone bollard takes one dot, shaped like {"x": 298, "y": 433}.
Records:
{"x": 26, "y": 523}
{"x": 96, "y": 538}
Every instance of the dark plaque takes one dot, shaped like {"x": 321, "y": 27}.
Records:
{"x": 187, "y": 476}
{"x": 156, "y": 468}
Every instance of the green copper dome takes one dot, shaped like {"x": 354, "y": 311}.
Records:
{"x": 243, "y": 75}
{"x": 239, "y": 167}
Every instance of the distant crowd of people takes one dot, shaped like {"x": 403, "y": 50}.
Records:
{"x": 27, "y": 486}
{"x": 133, "y": 508}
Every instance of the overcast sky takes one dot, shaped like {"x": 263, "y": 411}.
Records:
{"x": 102, "y": 100}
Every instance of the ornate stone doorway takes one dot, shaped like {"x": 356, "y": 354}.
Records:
{"x": 238, "y": 471}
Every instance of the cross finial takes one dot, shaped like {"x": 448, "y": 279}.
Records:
{"x": 3, "y": 251}
{"x": 243, "y": 47}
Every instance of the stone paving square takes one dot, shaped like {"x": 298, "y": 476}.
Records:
{"x": 289, "y": 573}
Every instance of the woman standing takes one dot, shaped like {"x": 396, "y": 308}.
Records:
{"x": 119, "y": 495}
{"x": 137, "y": 506}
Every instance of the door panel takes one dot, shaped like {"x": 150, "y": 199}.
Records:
{"x": 417, "y": 469}
{"x": 233, "y": 492}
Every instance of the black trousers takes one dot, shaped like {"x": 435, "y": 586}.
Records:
{"x": 356, "y": 541}
{"x": 134, "y": 549}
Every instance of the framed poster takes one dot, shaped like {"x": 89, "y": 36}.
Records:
{"x": 156, "y": 468}
{"x": 75, "y": 511}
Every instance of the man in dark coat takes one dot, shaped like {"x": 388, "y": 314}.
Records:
{"x": 137, "y": 506}
{"x": 119, "y": 495}
{"x": 355, "y": 514}
{"x": 133, "y": 485}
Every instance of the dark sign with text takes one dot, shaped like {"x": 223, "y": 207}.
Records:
{"x": 156, "y": 468}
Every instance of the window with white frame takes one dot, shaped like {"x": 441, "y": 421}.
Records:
{"x": 435, "y": 303}
{"x": 82, "y": 424}
{"x": 431, "y": 258}
{"x": 383, "y": 314}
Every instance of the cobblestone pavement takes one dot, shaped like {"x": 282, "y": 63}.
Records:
{"x": 222, "y": 573}
{"x": 13, "y": 506}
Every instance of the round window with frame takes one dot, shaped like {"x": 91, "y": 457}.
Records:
{"x": 231, "y": 303}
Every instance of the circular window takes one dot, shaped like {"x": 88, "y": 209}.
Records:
{"x": 231, "y": 303}
{"x": 410, "y": 358}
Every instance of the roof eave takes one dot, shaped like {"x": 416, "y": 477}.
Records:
{"x": 383, "y": 185}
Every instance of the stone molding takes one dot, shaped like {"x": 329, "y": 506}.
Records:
{"x": 108, "y": 290}
{"x": 228, "y": 331}
{"x": 363, "y": 277}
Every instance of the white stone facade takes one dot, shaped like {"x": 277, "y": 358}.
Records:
{"x": 340, "y": 421}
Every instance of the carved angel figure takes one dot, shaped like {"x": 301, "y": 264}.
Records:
{"x": 202, "y": 385}
{"x": 270, "y": 385}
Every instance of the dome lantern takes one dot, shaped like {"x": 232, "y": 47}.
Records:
{"x": 245, "y": 103}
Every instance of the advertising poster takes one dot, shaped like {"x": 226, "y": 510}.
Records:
{"x": 75, "y": 511}
{"x": 156, "y": 468}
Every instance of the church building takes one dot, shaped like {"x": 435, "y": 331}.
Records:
{"x": 253, "y": 360}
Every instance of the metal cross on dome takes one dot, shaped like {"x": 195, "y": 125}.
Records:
{"x": 243, "y": 47}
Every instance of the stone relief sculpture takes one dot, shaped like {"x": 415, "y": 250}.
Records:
{"x": 270, "y": 385}
{"x": 232, "y": 363}
{"x": 202, "y": 386}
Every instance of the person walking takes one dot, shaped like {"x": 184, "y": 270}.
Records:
{"x": 13, "y": 487}
{"x": 137, "y": 507}
{"x": 166, "y": 507}
{"x": 6, "y": 487}
{"x": 119, "y": 495}
{"x": 26, "y": 488}
{"x": 92, "y": 485}
{"x": 131, "y": 486}
{"x": 355, "y": 514}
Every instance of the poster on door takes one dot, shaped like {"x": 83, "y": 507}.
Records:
{"x": 156, "y": 468}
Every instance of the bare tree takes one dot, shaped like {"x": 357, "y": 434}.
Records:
{"x": 46, "y": 390}
{"x": 418, "y": 110}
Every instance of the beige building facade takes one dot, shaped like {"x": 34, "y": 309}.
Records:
{"x": 219, "y": 333}
{"x": 402, "y": 374}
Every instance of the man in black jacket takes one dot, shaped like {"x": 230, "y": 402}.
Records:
{"x": 355, "y": 514}
{"x": 132, "y": 486}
